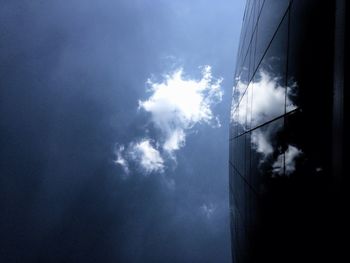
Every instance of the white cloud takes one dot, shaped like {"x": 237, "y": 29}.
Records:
{"x": 148, "y": 157}
{"x": 175, "y": 105}
{"x": 175, "y": 141}
{"x": 121, "y": 160}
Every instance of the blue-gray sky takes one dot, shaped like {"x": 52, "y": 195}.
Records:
{"x": 72, "y": 77}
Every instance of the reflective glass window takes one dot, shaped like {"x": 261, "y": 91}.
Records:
{"x": 238, "y": 159}
{"x": 234, "y": 124}
{"x": 266, "y": 159}
{"x": 249, "y": 101}
{"x": 253, "y": 64}
{"x": 247, "y": 37}
{"x": 269, "y": 82}
{"x": 271, "y": 16}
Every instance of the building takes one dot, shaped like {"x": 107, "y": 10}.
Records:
{"x": 287, "y": 197}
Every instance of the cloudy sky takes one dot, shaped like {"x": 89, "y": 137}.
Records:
{"x": 114, "y": 129}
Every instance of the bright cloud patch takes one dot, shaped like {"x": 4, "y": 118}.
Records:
{"x": 175, "y": 140}
{"x": 142, "y": 154}
{"x": 148, "y": 157}
{"x": 120, "y": 160}
{"x": 175, "y": 106}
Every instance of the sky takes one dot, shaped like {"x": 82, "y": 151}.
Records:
{"x": 114, "y": 121}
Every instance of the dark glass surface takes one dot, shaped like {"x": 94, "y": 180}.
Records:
{"x": 238, "y": 145}
{"x": 270, "y": 17}
{"x": 270, "y": 79}
{"x": 248, "y": 32}
{"x": 282, "y": 193}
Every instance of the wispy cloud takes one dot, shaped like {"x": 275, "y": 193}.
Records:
{"x": 147, "y": 156}
{"x": 120, "y": 160}
{"x": 175, "y": 105}
{"x": 208, "y": 210}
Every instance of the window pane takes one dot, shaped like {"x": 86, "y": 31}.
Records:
{"x": 267, "y": 156}
{"x": 269, "y": 83}
{"x": 270, "y": 17}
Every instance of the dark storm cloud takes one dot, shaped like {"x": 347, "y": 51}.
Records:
{"x": 71, "y": 74}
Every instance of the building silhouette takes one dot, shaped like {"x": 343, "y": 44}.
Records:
{"x": 287, "y": 133}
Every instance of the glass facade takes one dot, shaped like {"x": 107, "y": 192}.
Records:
{"x": 283, "y": 195}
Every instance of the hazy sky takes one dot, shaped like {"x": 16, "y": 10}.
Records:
{"x": 114, "y": 129}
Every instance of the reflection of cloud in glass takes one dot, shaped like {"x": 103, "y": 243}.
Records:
{"x": 261, "y": 143}
{"x": 290, "y": 155}
{"x": 147, "y": 156}
{"x": 264, "y": 100}
{"x": 268, "y": 99}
